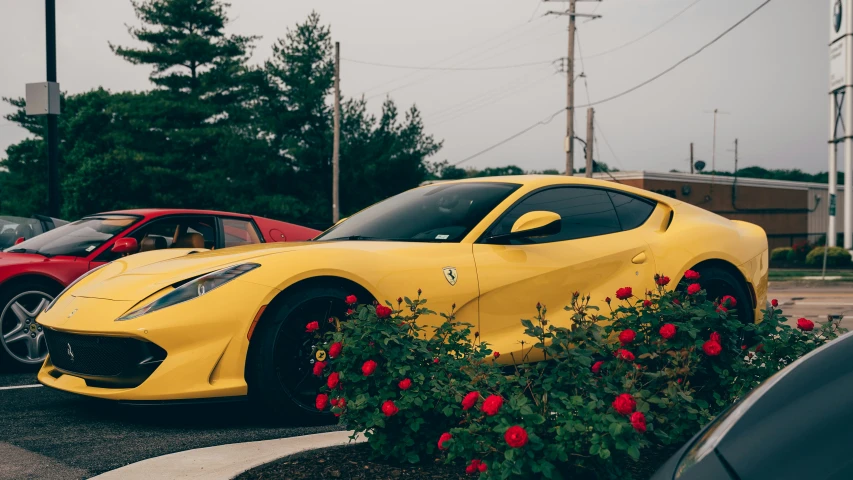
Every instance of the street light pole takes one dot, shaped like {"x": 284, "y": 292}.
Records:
{"x": 52, "y": 120}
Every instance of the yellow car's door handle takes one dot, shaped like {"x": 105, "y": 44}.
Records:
{"x": 640, "y": 258}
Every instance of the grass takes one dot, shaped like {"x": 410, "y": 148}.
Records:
{"x": 798, "y": 273}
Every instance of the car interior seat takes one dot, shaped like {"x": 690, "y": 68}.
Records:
{"x": 189, "y": 240}
{"x": 152, "y": 243}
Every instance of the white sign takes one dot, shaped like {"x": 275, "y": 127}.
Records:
{"x": 840, "y": 19}
{"x": 837, "y": 65}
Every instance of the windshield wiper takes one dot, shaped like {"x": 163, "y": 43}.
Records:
{"x": 28, "y": 250}
{"x": 354, "y": 237}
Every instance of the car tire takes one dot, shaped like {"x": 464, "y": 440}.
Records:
{"x": 281, "y": 354}
{"x": 16, "y": 354}
{"x": 719, "y": 282}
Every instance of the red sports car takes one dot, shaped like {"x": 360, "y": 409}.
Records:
{"x": 33, "y": 272}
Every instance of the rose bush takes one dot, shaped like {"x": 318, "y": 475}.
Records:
{"x": 639, "y": 379}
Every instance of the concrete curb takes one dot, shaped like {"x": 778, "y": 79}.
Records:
{"x": 224, "y": 462}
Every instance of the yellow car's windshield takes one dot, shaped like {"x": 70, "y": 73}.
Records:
{"x": 435, "y": 213}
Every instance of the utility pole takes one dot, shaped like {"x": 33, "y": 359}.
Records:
{"x": 336, "y": 145}
{"x": 714, "y": 140}
{"x": 590, "y": 137}
{"x": 691, "y": 158}
{"x": 52, "y": 120}
{"x": 736, "y": 157}
{"x": 570, "y": 81}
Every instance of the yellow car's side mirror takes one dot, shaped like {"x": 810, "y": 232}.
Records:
{"x": 530, "y": 225}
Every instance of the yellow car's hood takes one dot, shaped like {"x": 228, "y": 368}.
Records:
{"x": 139, "y": 276}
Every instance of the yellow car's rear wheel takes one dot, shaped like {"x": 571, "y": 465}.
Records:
{"x": 282, "y": 354}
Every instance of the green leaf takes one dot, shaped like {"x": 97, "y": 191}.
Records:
{"x": 615, "y": 429}
{"x": 604, "y": 454}
{"x": 535, "y": 419}
{"x": 634, "y": 453}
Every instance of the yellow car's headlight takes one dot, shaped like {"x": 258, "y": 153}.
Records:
{"x": 192, "y": 289}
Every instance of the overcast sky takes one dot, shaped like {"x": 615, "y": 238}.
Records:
{"x": 770, "y": 74}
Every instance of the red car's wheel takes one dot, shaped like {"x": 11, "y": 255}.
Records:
{"x": 21, "y": 337}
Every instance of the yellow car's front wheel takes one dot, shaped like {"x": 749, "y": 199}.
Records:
{"x": 282, "y": 355}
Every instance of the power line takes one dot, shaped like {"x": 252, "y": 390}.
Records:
{"x": 598, "y": 130}
{"x": 455, "y": 55}
{"x": 697, "y": 52}
{"x": 626, "y": 92}
{"x": 620, "y": 47}
{"x": 478, "y": 104}
{"x": 411, "y": 67}
{"x": 541, "y": 122}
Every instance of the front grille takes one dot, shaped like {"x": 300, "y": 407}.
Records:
{"x": 116, "y": 361}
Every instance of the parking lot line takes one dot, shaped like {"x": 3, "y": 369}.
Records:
{"x": 16, "y": 387}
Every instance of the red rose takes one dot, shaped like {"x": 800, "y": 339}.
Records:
{"x": 715, "y": 337}
{"x": 383, "y": 312}
{"x": 341, "y": 403}
{"x": 691, "y": 275}
{"x": 722, "y": 309}
{"x": 351, "y": 299}
{"x": 405, "y": 384}
{"x": 368, "y": 368}
{"x": 470, "y": 400}
{"x": 663, "y": 280}
{"x": 638, "y": 421}
{"x": 350, "y": 312}
{"x": 471, "y": 469}
{"x": 399, "y": 300}
{"x": 312, "y": 327}
{"x": 496, "y": 355}
{"x": 333, "y": 380}
{"x": 322, "y": 401}
{"x": 335, "y": 349}
{"x": 318, "y": 368}
{"x": 625, "y": 355}
{"x": 443, "y": 438}
{"x": 515, "y": 436}
{"x": 679, "y": 380}
{"x": 624, "y": 293}
{"x": 492, "y": 404}
{"x": 712, "y": 348}
{"x": 624, "y": 404}
{"x": 389, "y": 409}
{"x": 435, "y": 360}
{"x": 482, "y": 467}
{"x": 729, "y": 301}
{"x": 596, "y": 367}
{"x": 805, "y": 324}
{"x": 627, "y": 336}
{"x": 759, "y": 348}
{"x": 667, "y": 331}
{"x": 743, "y": 347}
{"x": 774, "y": 302}
{"x": 676, "y": 301}
{"x": 647, "y": 303}
{"x": 334, "y": 402}
{"x": 693, "y": 289}
{"x": 607, "y": 299}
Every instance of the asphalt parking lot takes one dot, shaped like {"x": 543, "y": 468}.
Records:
{"x": 51, "y": 435}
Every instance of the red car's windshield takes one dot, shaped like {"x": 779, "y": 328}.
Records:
{"x": 76, "y": 239}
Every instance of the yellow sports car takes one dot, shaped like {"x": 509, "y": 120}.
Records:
{"x": 191, "y": 324}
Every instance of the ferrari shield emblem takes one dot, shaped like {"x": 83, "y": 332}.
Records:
{"x": 450, "y": 275}
{"x": 320, "y": 355}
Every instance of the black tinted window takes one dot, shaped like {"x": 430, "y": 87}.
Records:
{"x": 632, "y": 211}
{"x": 435, "y": 213}
{"x": 585, "y": 212}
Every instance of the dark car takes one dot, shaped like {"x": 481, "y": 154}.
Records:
{"x": 796, "y": 425}
{"x": 34, "y": 271}
{"x": 18, "y": 229}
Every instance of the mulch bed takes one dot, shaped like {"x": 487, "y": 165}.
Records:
{"x": 348, "y": 463}
{"x": 355, "y": 463}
